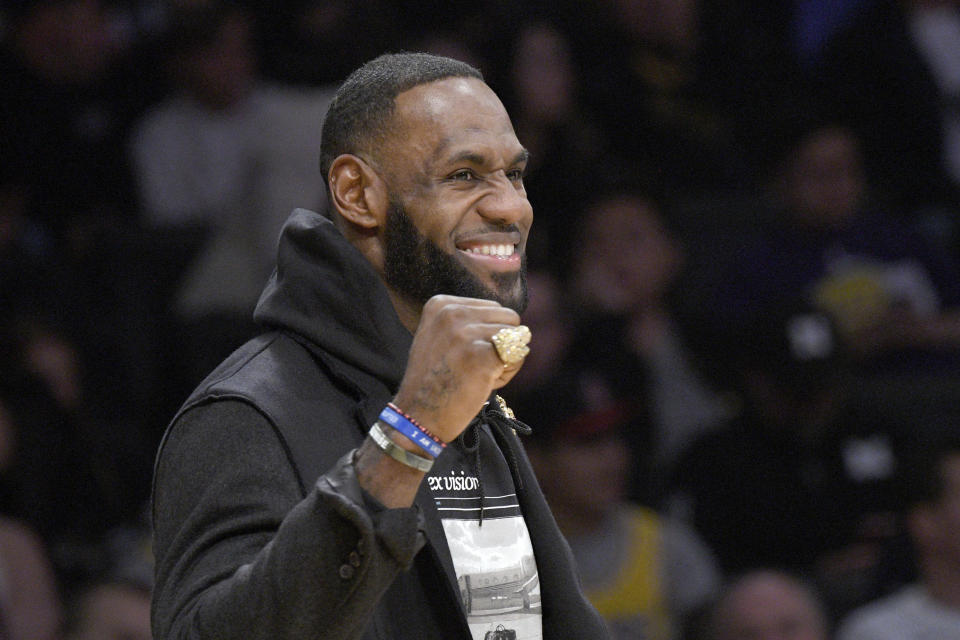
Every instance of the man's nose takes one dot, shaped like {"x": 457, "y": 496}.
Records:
{"x": 506, "y": 203}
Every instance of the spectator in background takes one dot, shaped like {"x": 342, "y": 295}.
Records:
{"x": 68, "y": 100}
{"x": 65, "y": 468}
{"x": 768, "y": 605}
{"x": 894, "y": 73}
{"x": 68, "y": 476}
{"x": 52, "y": 356}
{"x": 219, "y": 164}
{"x": 929, "y": 608}
{"x": 565, "y": 141}
{"x": 623, "y": 276}
{"x": 653, "y": 79}
{"x": 895, "y": 296}
{"x": 646, "y": 574}
{"x": 70, "y": 93}
{"x": 802, "y": 479}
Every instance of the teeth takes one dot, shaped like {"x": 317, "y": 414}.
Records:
{"x": 501, "y": 250}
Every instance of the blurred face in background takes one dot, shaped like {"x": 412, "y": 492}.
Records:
{"x": 768, "y": 606}
{"x": 586, "y": 476}
{"x": 626, "y": 257}
{"x": 543, "y": 76}
{"x": 825, "y": 182}
{"x": 220, "y": 73}
{"x": 69, "y": 42}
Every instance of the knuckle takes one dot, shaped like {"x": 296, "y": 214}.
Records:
{"x": 448, "y": 314}
{"x": 434, "y": 304}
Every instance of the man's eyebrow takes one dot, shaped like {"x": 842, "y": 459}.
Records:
{"x": 476, "y": 158}
{"x": 471, "y": 157}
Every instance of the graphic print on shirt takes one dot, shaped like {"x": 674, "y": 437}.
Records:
{"x": 494, "y": 562}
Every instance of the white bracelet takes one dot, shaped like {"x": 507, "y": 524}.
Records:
{"x": 397, "y": 452}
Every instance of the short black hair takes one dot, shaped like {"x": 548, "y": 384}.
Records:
{"x": 360, "y": 112}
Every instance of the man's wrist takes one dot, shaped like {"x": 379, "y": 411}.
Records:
{"x": 392, "y": 483}
{"x": 393, "y": 448}
{"x": 395, "y": 417}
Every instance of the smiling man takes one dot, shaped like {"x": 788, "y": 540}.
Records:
{"x": 351, "y": 472}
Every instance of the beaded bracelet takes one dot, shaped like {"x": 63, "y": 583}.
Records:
{"x": 398, "y": 453}
{"x": 407, "y": 427}
{"x": 417, "y": 424}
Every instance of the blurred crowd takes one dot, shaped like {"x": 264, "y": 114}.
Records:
{"x": 744, "y": 284}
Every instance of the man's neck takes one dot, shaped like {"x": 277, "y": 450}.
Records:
{"x": 408, "y": 312}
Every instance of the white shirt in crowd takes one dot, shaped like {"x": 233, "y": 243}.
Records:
{"x": 908, "y": 614}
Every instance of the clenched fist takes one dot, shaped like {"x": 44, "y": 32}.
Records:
{"x": 453, "y": 366}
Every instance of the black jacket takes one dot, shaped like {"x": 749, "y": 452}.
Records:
{"x": 261, "y": 529}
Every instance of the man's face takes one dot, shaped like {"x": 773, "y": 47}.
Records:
{"x": 827, "y": 181}
{"x": 627, "y": 258}
{"x": 417, "y": 268}
{"x": 459, "y": 215}
{"x": 767, "y": 607}
{"x": 588, "y": 475}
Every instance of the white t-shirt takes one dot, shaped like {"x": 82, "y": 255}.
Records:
{"x": 908, "y": 614}
{"x": 936, "y": 32}
{"x": 494, "y": 561}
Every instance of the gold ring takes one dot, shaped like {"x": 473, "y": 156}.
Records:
{"x": 511, "y": 344}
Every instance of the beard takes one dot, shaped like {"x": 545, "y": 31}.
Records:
{"x": 418, "y": 269}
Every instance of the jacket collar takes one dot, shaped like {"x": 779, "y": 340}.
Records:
{"x": 326, "y": 292}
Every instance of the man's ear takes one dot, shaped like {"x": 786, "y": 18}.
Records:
{"x": 358, "y": 193}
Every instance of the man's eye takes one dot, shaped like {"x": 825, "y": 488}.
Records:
{"x": 516, "y": 175}
{"x": 464, "y": 174}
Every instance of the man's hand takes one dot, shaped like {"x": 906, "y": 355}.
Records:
{"x": 452, "y": 369}
{"x": 453, "y": 365}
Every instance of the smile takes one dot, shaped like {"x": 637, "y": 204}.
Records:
{"x": 493, "y": 256}
{"x": 496, "y": 250}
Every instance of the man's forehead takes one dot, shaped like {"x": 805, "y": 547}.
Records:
{"x": 439, "y": 97}
{"x": 452, "y": 116}
{"x": 451, "y": 106}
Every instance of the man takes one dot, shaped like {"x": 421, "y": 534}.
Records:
{"x": 930, "y": 608}
{"x": 275, "y": 515}
{"x": 768, "y": 605}
{"x": 646, "y": 574}
{"x": 801, "y": 479}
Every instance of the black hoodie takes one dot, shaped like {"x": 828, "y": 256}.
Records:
{"x": 261, "y": 529}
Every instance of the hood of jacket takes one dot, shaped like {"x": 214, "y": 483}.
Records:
{"x": 325, "y": 291}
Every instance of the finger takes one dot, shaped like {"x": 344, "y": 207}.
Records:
{"x": 506, "y": 375}
{"x": 443, "y": 299}
{"x": 459, "y": 315}
{"x": 510, "y": 344}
